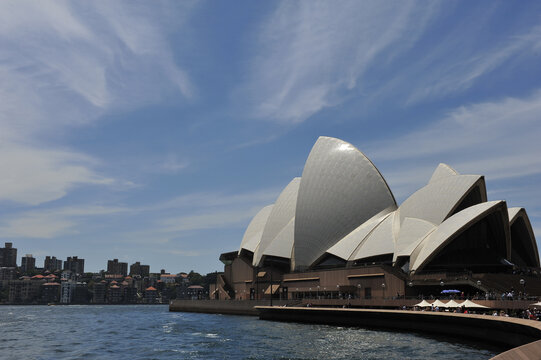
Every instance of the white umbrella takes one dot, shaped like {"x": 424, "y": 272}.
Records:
{"x": 423, "y": 303}
{"x": 451, "y": 304}
{"x": 536, "y": 304}
{"x": 470, "y": 304}
{"x": 438, "y": 304}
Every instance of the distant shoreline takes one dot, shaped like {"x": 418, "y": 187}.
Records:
{"x": 80, "y": 304}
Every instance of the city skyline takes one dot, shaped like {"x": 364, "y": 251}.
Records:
{"x": 155, "y": 132}
{"x": 26, "y": 261}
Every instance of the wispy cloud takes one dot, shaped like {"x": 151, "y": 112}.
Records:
{"x": 202, "y": 211}
{"x": 449, "y": 69}
{"x": 313, "y": 55}
{"x": 33, "y": 225}
{"x": 33, "y": 176}
{"x": 155, "y": 223}
{"x": 210, "y": 220}
{"x": 498, "y": 139}
{"x": 310, "y": 54}
{"x": 51, "y": 223}
{"x": 64, "y": 64}
{"x": 172, "y": 165}
{"x": 214, "y": 199}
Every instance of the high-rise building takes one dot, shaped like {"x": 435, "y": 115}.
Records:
{"x": 66, "y": 291}
{"x": 129, "y": 294}
{"x": 116, "y": 267}
{"x": 8, "y": 256}
{"x": 8, "y": 273}
{"x": 81, "y": 293}
{"x": 73, "y": 292}
{"x": 151, "y": 294}
{"x": 114, "y": 294}
{"x": 50, "y": 292}
{"x": 75, "y": 264}
{"x": 52, "y": 264}
{"x": 138, "y": 269}
{"x": 24, "y": 291}
{"x": 28, "y": 263}
{"x": 99, "y": 293}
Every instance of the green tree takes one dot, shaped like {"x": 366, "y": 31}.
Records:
{"x": 196, "y": 278}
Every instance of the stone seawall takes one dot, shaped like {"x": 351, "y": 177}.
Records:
{"x": 230, "y": 307}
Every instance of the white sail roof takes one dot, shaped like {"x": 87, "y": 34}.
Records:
{"x": 349, "y": 243}
{"x": 526, "y": 236}
{"x": 281, "y": 214}
{"x": 436, "y": 201}
{"x": 340, "y": 189}
{"x": 442, "y": 171}
{"x": 379, "y": 242}
{"x": 412, "y": 232}
{"x": 282, "y": 244}
{"x": 253, "y": 232}
{"x": 447, "y": 231}
{"x": 343, "y": 207}
{"x": 513, "y": 212}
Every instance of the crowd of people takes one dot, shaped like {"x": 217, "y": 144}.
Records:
{"x": 533, "y": 314}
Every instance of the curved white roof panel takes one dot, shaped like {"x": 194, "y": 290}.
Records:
{"x": 282, "y": 244}
{"x": 253, "y": 232}
{"x": 340, "y": 189}
{"x": 513, "y": 213}
{"x": 282, "y": 212}
{"x": 437, "y": 200}
{"x": 442, "y": 171}
{"x": 526, "y": 236}
{"x": 379, "y": 242}
{"x": 448, "y": 230}
{"x": 412, "y": 232}
{"x": 349, "y": 243}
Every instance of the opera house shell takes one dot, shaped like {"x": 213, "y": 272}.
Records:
{"x": 342, "y": 213}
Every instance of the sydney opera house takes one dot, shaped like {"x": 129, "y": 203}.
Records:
{"x": 338, "y": 230}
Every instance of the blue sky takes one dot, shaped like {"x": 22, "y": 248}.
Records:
{"x": 154, "y": 131}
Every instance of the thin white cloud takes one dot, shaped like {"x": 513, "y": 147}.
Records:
{"x": 310, "y": 54}
{"x": 172, "y": 165}
{"x": 498, "y": 128}
{"x": 195, "y": 211}
{"x": 449, "y": 70}
{"x": 200, "y": 211}
{"x": 64, "y": 64}
{"x": 33, "y": 225}
{"x": 33, "y": 176}
{"x": 498, "y": 139}
{"x": 209, "y": 220}
{"x": 213, "y": 200}
{"x": 52, "y": 223}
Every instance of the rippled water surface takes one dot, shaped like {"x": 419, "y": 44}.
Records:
{"x": 152, "y": 332}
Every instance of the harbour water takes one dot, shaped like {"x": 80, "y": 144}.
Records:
{"x": 152, "y": 332}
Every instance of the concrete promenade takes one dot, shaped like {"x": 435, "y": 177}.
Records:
{"x": 398, "y": 303}
{"x": 246, "y": 307}
{"x": 525, "y": 352}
